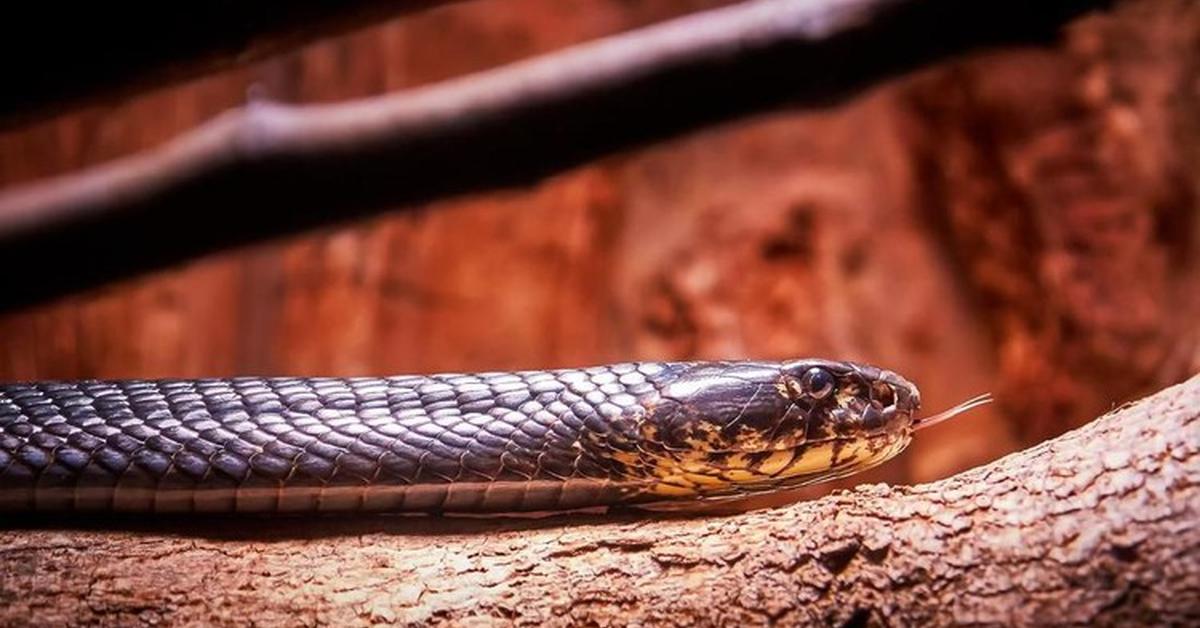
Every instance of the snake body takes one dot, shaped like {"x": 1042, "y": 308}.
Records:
{"x": 623, "y": 434}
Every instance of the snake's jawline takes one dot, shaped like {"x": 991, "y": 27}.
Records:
{"x": 785, "y": 469}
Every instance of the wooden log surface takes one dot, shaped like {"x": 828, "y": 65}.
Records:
{"x": 1099, "y": 526}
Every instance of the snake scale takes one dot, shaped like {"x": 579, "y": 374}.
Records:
{"x": 650, "y": 433}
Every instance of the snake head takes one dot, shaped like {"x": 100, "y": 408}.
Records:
{"x": 741, "y": 426}
{"x": 761, "y": 406}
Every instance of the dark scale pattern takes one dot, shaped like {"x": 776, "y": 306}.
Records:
{"x": 491, "y": 441}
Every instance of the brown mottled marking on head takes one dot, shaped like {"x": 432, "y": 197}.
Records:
{"x": 848, "y": 392}
{"x": 776, "y": 462}
{"x": 789, "y": 387}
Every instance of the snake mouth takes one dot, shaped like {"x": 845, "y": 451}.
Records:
{"x": 745, "y": 473}
{"x": 878, "y": 417}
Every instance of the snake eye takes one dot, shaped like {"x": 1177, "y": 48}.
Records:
{"x": 817, "y": 383}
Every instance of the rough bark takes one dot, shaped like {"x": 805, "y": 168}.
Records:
{"x": 1099, "y": 526}
{"x": 299, "y": 167}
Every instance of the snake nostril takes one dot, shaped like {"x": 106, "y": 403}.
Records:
{"x": 883, "y": 393}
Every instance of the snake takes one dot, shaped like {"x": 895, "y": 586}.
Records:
{"x": 639, "y": 434}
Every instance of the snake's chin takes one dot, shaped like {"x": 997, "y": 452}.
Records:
{"x": 814, "y": 465}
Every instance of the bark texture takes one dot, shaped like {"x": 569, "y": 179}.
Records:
{"x": 1099, "y": 526}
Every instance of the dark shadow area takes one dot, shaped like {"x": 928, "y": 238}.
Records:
{"x": 112, "y": 50}
{"x": 302, "y": 526}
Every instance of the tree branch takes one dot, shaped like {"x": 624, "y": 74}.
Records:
{"x": 269, "y": 169}
{"x": 108, "y": 49}
{"x": 1101, "y": 525}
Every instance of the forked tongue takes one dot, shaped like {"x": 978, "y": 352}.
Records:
{"x": 950, "y": 413}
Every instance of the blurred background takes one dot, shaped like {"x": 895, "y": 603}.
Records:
{"x": 1021, "y": 221}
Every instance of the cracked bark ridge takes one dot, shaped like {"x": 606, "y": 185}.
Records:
{"x": 1098, "y": 526}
